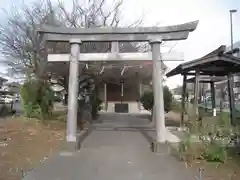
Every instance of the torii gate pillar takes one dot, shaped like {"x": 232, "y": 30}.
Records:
{"x": 73, "y": 92}
{"x": 157, "y": 76}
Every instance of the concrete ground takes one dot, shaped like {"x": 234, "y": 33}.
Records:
{"x": 113, "y": 153}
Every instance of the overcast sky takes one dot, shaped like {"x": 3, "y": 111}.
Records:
{"x": 213, "y": 29}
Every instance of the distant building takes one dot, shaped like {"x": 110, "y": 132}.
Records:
{"x": 2, "y": 81}
{"x": 13, "y": 87}
{"x": 177, "y": 92}
{"x": 223, "y": 84}
{"x": 236, "y": 86}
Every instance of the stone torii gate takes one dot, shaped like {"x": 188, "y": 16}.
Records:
{"x": 153, "y": 35}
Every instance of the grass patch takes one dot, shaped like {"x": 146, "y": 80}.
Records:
{"x": 211, "y": 146}
{"x": 26, "y": 143}
{"x": 59, "y": 115}
{"x": 176, "y": 106}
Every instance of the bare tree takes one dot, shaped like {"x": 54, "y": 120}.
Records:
{"x": 24, "y": 49}
{"x": 19, "y": 42}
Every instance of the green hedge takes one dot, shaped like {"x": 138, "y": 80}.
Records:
{"x": 37, "y": 99}
{"x": 147, "y": 99}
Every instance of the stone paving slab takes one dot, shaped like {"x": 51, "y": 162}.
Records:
{"x": 112, "y": 155}
{"x": 122, "y": 120}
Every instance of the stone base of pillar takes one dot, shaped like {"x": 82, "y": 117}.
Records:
{"x": 158, "y": 147}
{"x": 81, "y": 135}
{"x": 74, "y": 145}
{"x": 182, "y": 129}
{"x": 152, "y": 124}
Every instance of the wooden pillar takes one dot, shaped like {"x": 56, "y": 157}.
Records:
{"x": 65, "y": 94}
{"x": 202, "y": 91}
{"x": 139, "y": 89}
{"x": 140, "y": 94}
{"x": 183, "y": 100}
{"x": 222, "y": 97}
{"x": 199, "y": 93}
{"x": 105, "y": 97}
{"x": 213, "y": 98}
{"x": 196, "y": 93}
{"x": 122, "y": 90}
{"x": 231, "y": 98}
{"x": 204, "y": 98}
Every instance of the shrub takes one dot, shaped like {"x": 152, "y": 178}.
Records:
{"x": 147, "y": 99}
{"x": 209, "y": 143}
{"x": 31, "y": 110}
{"x": 96, "y": 107}
{"x": 176, "y": 106}
{"x": 37, "y": 99}
{"x": 192, "y": 100}
{"x": 5, "y": 110}
{"x": 224, "y": 119}
{"x": 189, "y": 150}
{"x": 214, "y": 152}
{"x": 168, "y": 98}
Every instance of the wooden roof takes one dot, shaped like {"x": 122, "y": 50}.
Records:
{"x": 207, "y": 79}
{"x": 216, "y": 63}
{"x": 3, "y": 79}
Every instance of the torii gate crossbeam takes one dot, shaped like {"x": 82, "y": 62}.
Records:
{"x": 172, "y": 56}
{"x": 167, "y": 33}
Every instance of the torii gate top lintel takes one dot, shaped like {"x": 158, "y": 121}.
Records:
{"x": 166, "y": 33}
